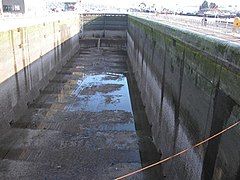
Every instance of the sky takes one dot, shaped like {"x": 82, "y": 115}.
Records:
{"x": 161, "y": 3}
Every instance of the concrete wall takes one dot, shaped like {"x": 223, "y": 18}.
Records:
{"x": 104, "y": 30}
{"x": 30, "y": 56}
{"x": 190, "y": 86}
{"x": 105, "y": 25}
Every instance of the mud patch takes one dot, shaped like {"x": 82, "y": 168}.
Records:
{"x": 104, "y": 88}
{"x": 112, "y": 99}
{"x": 111, "y": 77}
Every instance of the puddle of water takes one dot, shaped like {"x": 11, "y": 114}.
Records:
{"x": 110, "y": 93}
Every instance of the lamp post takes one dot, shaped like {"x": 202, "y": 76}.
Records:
{"x": 176, "y": 9}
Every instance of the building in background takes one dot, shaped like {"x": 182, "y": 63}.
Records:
{"x": 38, "y": 7}
{"x": 13, "y": 6}
{"x": 64, "y": 5}
{"x": 1, "y": 6}
{"x": 70, "y": 5}
{"x": 29, "y": 7}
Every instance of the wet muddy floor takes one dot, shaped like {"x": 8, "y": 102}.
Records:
{"x": 88, "y": 123}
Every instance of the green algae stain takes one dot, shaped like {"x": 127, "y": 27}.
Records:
{"x": 200, "y": 68}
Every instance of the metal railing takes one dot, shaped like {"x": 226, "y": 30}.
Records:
{"x": 222, "y": 28}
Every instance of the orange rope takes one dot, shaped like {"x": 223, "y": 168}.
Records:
{"x": 180, "y": 153}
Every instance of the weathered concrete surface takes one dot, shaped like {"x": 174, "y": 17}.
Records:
{"x": 105, "y": 25}
{"x": 30, "y": 56}
{"x": 190, "y": 87}
{"x": 82, "y": 126}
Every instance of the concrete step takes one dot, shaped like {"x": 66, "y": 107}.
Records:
{"x": 82, "y": 125}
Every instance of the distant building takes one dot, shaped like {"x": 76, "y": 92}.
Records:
{"x": 24, "y": 6}
{"x": 38, "y": 7}
{"x": 63, "y": 5}
{"x": 1, "y": 6}
{"x": 13, "y": 6}
{"x": 70, "y": 5}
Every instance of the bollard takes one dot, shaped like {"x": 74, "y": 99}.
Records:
{"x": 236, "y": 24}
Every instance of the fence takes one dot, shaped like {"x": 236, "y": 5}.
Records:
{"x": 222, "y": 28}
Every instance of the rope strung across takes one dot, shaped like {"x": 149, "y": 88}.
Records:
{"x": 181, "y": 152}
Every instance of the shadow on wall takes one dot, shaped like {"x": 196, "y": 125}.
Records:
{"x": 105, "y": 25}
{"x": 190, "y": 93}
{"x": 30, "y": 56}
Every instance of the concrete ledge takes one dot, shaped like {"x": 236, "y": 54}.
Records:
{"x": 103, "y": 42}
{"x": 226, "y": 52}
